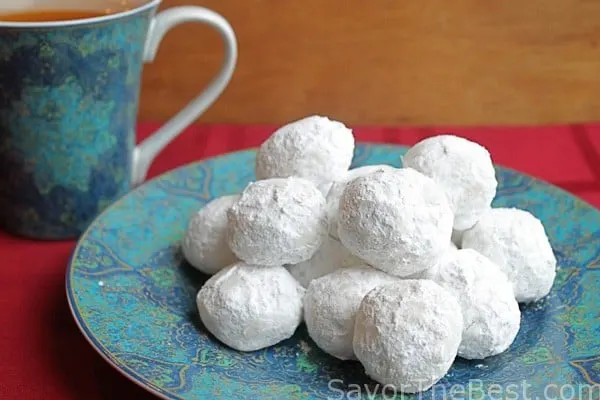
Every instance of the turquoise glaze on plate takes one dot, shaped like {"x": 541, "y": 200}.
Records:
{"x": 133, "y": 297}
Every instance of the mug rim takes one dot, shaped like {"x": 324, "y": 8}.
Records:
{"x": 83, "y": 21}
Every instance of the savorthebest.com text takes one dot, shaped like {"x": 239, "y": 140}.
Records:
{"x": 473, "y": 389}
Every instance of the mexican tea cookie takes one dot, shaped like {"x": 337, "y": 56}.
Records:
{"x": 331, "y": 256}
{"x": 407, "y": 334}
{"x": 249, "y": 308}
{"x": 491, "y": 315}
{"x": 315, "y": 148}
{"x": 277, "y": 221}
{"x": 204, "y": 245}
{"x": 330, "y": 306}
{"x": 463, "y": 168}
{"x": 516, "y": 241}
{"x": 398, "y": 221}
{"x": 337, "y": 188}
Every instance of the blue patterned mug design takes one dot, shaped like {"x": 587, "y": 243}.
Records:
{"x": 69, "y": 95}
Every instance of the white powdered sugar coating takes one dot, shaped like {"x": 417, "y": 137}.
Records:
{"x": 398, "y": 221}
{"x": 315, "y": 148}
{"x": 337, "y": 188}
{"x": 331, "y": 255}
{"x": 205, "y": 245}
{"x": 277, "y": 221}
{"x": 407, "y": 334}
{"x": 330, "y": 306}
{"x": 491, "y": 315}
{"x": 463, "y": 168}
{"x": 249, "y": 308}
{"x": 426, "y": 273}
{"x": 516, "y": 241}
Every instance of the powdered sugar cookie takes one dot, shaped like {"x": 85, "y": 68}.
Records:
{"x": 249, "y": 308}
{"x": 205, "y": 244}
{"x": 516, "y": 241}
{"x": 315, "y": 148}
{"x": 337, "y": 188}
{"x": 463, "y": 168}
{"x": 277, "y": 221}
{"x": 398, "y": 221}
{"x": 407, "y": 334}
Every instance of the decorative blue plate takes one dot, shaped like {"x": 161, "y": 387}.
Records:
{"x": 133, "y": 297}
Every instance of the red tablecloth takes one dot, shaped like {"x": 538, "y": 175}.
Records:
{"x": 44, "y": 357}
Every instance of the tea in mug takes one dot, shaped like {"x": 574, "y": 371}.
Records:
{"x": 52, "y": 15}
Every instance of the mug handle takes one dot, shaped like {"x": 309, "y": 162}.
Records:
{"x": 147, "y": 150}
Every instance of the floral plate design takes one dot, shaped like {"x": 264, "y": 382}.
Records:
{"x": 133, "y": 297}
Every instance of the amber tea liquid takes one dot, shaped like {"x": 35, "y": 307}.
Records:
{"x": 52, "y": 15}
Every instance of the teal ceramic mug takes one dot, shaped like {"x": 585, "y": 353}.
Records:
{"x": 69, "y": 93}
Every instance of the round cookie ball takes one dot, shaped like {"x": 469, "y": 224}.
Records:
{"x": 463, "y": 168}
{"x": 516, "y": 241}
{"x": 398, "y": 221}
{"x": 491, "y": 315}
{"x": 330, "y": 306}
{"x": 407, "y": 334}
{"x": 277, "y": 221}
{"x": 337, "y": 188}
{"x": 315, "y": 148}
{"x": 331, "y": 256}
{"x": 205, "y": 245}
{"x": 249, "y": 308}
